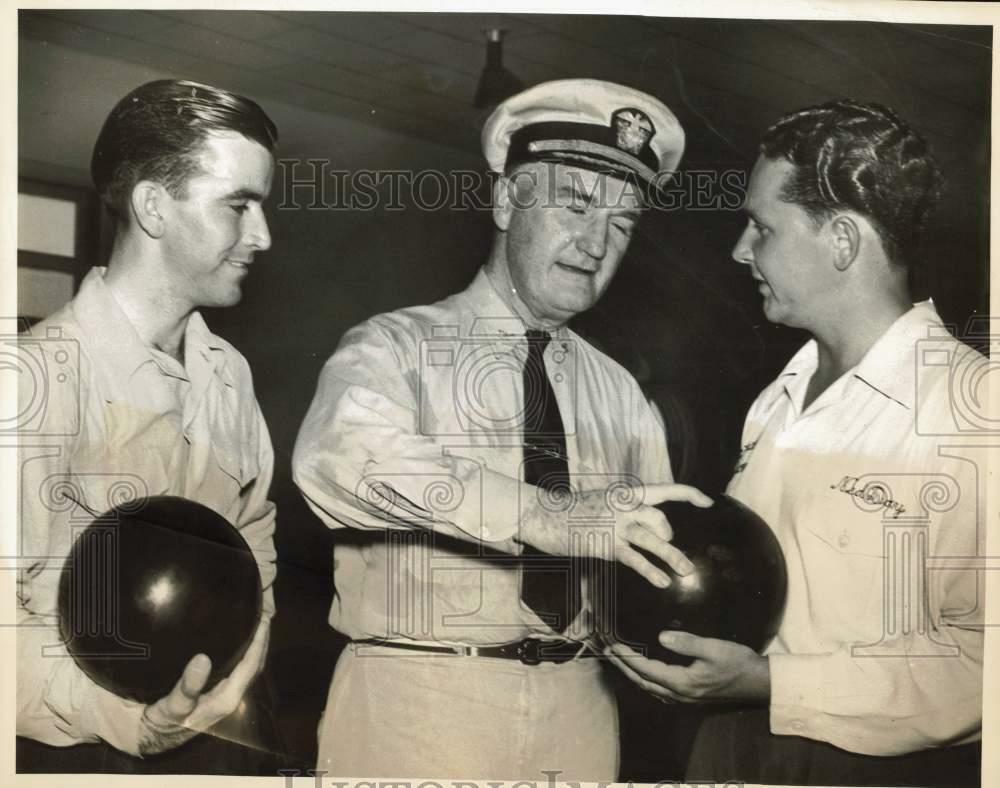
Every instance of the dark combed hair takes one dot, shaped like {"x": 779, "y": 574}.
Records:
{"x": 155, "y": 132}
{"x": 863, "y": 158}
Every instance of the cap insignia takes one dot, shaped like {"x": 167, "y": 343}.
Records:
{"x": 633, "y": 129}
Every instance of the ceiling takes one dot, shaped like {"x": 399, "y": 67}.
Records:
{"x": 416, "y": 73}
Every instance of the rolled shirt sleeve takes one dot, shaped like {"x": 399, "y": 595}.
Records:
{"x": 361, "y": 461}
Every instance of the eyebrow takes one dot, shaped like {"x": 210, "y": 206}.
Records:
{"x": 574, "y": 192}
{"x": 244, "y": 194}
{"x": 571, "y": 190}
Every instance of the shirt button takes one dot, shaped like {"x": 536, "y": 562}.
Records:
{"x": 798, "y": 725}
{"x": 844, "y": 540}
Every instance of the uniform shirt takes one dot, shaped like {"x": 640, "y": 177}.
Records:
{"x": 414, "y": 438}
{"x": 880, "y": 650}
{"x": 107, "y": 419}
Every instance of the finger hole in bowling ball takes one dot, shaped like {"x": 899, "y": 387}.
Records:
{"x": 736, "y": 591}
{"x": 145, "y": 589}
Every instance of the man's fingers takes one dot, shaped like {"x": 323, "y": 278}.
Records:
{"x": 640, "y": 537}
{"x": 622, "y": 658}
{"x": 658, "y": 493}
{"x": 634, "y": 560}
{"x": 653, "y": 520}
{"x": 670, "y": 677}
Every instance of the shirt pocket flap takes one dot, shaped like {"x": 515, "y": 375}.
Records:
{"x": 846, "y": 524}
{"x": 237, "y": 460}
{"x": 91, "y": 494}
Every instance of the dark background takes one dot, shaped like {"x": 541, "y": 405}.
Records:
{"x": 394, "y": 91}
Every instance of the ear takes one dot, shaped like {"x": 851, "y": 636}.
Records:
{"x": 846, "y": 236}
{"x": 148, "y": 205}
{"x": 503, "y": 202}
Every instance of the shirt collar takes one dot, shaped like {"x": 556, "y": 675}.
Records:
{"x": 116, "y": 342}
{"x": 888, "y": 366}
{"x": 491, "y": 316}
{"x": 797, "y": 372}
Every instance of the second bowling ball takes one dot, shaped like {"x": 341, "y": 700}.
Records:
{"x": 736, "y": 592}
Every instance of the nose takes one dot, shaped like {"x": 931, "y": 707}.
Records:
{"x": 593, "y": 239}
{"x": 743, "y": 252}
{"x": 257, "y": 234}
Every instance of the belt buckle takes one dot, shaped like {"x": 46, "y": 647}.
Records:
{"x": 529, "y": 651}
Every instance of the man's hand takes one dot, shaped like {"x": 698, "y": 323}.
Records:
{"x": 643, "y": 527}
{"x": 721, "y": 671}
{"x": 186, "y": 712}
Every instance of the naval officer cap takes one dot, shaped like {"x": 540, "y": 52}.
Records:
{"x": 600, "y": 126}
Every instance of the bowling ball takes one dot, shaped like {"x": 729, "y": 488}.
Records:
{"x": 150, "y": 584}
{"x": 736, "y": 591}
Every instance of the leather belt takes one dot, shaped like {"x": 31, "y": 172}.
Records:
{"x": 530, "y": 651}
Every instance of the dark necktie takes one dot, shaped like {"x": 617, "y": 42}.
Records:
{"x": 549, "y": 586}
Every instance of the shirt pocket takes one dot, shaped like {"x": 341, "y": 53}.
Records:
{"x": 237, "y": 460}
{"x": 117, "y": 485}
{"x": 842, "y": 544}
{"x": 846, "y": 533}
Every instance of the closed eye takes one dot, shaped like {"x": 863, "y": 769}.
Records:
{"x": 625, "y": 228}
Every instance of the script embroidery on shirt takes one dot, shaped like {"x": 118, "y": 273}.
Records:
{"x": 873, "y": 493}
{"x": 744, "y": 459}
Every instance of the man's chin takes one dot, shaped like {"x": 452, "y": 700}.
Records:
{"x": 227, "y": 299}
{"x": 572, "y": 307}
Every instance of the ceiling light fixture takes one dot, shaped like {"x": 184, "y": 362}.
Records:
{"x": 496, "y": 83}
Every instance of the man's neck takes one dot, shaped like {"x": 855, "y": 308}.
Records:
{"x": 499, "y": 277}
{"x": 145, "y": 297}
{"x": 844, "y": 344}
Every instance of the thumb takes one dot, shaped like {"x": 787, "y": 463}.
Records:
{"x": 175, "y": 707}
{"x": 195, "y": 676}
{"x": 684, "y": 643}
